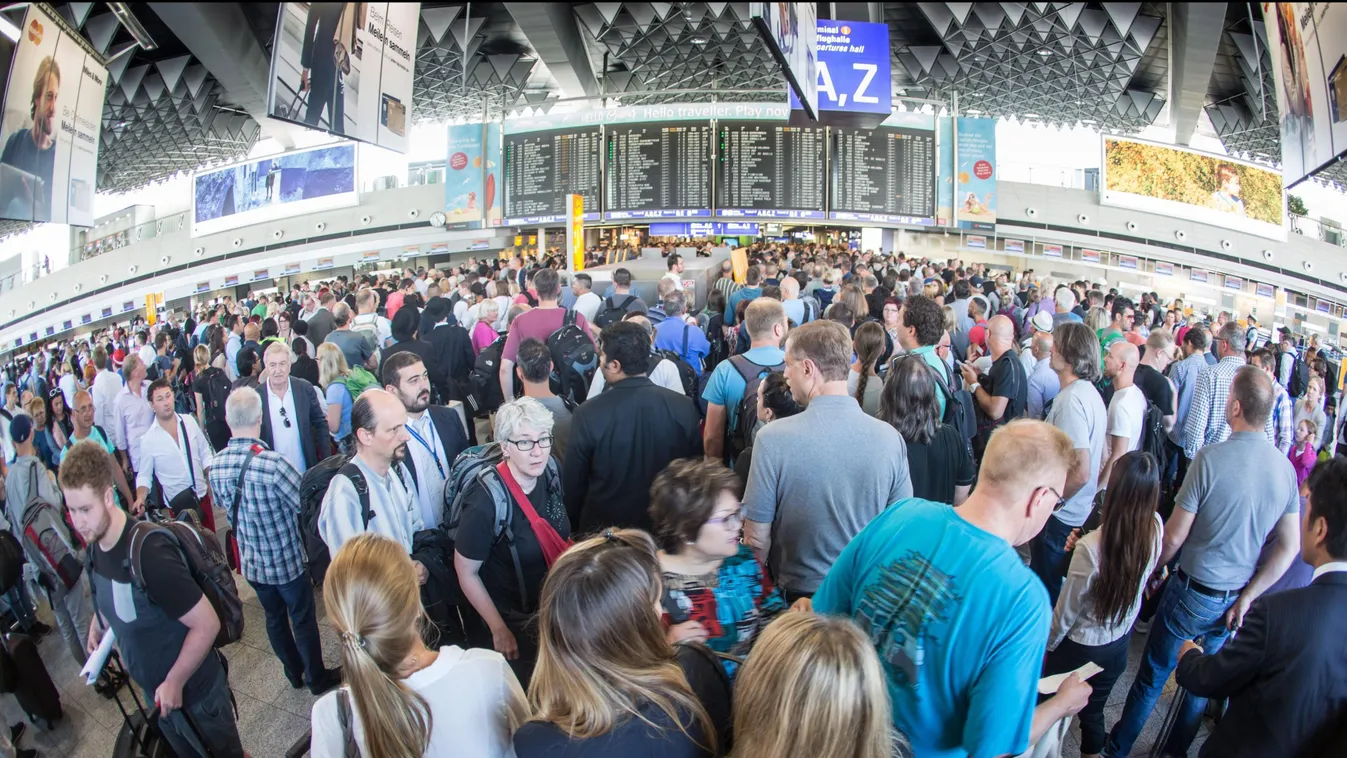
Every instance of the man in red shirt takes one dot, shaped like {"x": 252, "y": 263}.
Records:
{"x": 538, "y": 324}
{"x": 977, "y": 309}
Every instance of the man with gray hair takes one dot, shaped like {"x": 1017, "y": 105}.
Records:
{"x": 1079, "y": 411}
{"x": 1206, "y": 421}
{"x": 676, "y": 335}
{"x": 1064, "y": 300}
{"x": 259, "y": 490}
{"x": 294, "y": 423}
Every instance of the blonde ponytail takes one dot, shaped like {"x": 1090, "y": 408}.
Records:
{"x": 373, "y": 602}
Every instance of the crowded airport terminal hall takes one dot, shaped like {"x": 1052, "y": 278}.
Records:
{"x": 673, "y": 380}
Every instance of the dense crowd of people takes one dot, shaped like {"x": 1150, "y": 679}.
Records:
{"x": 840, "y": 505}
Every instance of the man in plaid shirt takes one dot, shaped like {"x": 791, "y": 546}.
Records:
{"x": 266, "y": 527}
{"x": 1283, "y": 412}
{"x": 1206, "y": 424}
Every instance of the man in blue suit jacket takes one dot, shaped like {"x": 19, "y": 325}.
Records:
{"x": 1285, "y": 672}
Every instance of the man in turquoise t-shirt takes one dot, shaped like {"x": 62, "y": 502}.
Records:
{"x": 765, "y": 320}
{"x": 959, "y": 622}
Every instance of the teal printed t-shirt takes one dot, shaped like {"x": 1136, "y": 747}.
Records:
{"x": 959, "y": 622}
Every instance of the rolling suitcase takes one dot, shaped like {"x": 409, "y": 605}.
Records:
{"x": 33, "y": 687}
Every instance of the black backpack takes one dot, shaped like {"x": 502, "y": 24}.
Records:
{"x": 574, "y": 359}
{"x": 611, "y": 312}
{"x": 1153, "y": 435}
{"x": 1300, "y": 378}
{"x": 215, "y": 388}
{"x": 740, "y": 436}
{"x": 483, "y": 389}
{"x": 960, "y": 410}
{"x": 312, "y": 487}
{"x": 184, "y": 401}
{"x": 686, "y": 373}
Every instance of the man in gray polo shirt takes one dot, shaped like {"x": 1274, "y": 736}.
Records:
{"x": 1237, "y": 494}
{"x": 819, "y": 477}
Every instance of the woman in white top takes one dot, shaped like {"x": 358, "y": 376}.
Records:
{"x": 1102, "y": 593}
{"x": 406, "y": 700}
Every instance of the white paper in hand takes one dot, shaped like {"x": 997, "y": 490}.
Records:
{"x": 94, "y": 666}
{"x": 1048, "y": 685}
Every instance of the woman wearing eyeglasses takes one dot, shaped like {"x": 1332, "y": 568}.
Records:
{"x": 715, "y": 591}
{"x": 501, "y": 568}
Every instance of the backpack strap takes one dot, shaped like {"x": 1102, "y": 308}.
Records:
{"x": 745, "y": 367}
{"x": 238, "y": 485}
{"x": 352, "y": 471}
{"x": 625, "y": 303}
{"x": 504, "y": 525}
{"x": 141, "y": 531}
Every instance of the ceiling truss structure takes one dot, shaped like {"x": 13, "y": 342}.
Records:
{"x": 1060, "y": 63}
{"x": 658, "y": 47}
{"x": 495, "y": 78}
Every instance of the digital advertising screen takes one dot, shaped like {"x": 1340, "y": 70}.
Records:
{"x": 543, "y": 167}
{"x": 1212, "y": 189}
{"x": 658, "y": 170}
{"x": 791, "y": 33}
{"x": 1308, "y": 44}
{"x": 885, "y": 175}
{"x": 346, "y": 68}
{"x": 284, "y": 185}
{"x": 50, "y": 129}
{"x": 770, "y": 171}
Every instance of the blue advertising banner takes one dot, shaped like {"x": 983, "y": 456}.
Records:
{"x": 464, "y": 178}
{"x": 284, "y": 185}
{"x": 854, "y": 68}
{"x": 975, "y": 204}
{"x": 944, "y": 169}
{"x": 491, "y": 204}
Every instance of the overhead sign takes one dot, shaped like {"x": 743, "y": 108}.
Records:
{"x": 1264, "y": 290}
{"x": 302, "y": 181}
{"x": 1052, "y": 251}
{"x": 1013, "y": 246}
{"x": 1127, "y": 261}
{"x": 51, "y": 126}
{"x": 1308, "y": 44}
{"x": 1164, "y": 269}
{"x": 854, "y": 68}
{"x": 1090, "y": 256}
{"x": 791, "y": 32}
{"x": 1234, "y": 283}
{"x": 346, "y": 68}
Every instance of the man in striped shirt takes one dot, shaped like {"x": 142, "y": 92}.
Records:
{"x": 1206, "y": 423}
{"x": 259, "y": 489}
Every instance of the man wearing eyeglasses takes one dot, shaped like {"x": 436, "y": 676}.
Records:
{"x": 293, "y": 421}
{"x": 437, "y": 433}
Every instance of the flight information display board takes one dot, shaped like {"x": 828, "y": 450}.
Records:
{"x": 885, "y": 175}
{"x": 770, "y": 171}
{"x": 543, "y": 167}
{"x": 659, "y": 170}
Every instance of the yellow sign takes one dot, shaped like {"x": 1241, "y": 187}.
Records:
{"x": 152, "y": 303}
{"x": 576, "y": 236}
{"x": 739, "y": 264}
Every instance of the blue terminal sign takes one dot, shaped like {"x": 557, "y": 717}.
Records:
{"x": 854, "y": 70}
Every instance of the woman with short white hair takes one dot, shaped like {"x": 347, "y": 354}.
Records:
{"x": 501, "y": 567}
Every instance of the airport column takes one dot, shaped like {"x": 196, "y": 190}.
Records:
{"x": 575, "y": 233}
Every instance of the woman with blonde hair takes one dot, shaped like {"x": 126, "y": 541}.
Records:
{"x": 854, "y": 299}
{"x": 400, "y": 698}
{"x": 813, "y": 686}
{"x": 332, "y": 374}
{"x": 608, "y": 683}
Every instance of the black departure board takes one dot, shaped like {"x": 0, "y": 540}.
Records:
{"x": 543, "y": 167}
{"x": 885, "y": 174}
{"x": 769, "y": 171}
{"x": 658, "y": 170}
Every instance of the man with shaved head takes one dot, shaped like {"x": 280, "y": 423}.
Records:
{"x": 1002, "y": 394}
{"x": 1126, "y": 409}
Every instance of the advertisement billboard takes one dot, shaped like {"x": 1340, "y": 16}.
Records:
{"x": 854, "y": 68}
{"x": 50, "y": 129}
{"x": 1308, "y": 44}
{"x": 791, "y": 33}
{"x": 465, "y": 176}
{"x": 289, "y": 184}
{"x": 1212, "y": 189}
{"x": 975, "y": 203}
{"x": 346, "y": 68}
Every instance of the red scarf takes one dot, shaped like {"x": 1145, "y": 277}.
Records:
{"x": 551, "y": 542}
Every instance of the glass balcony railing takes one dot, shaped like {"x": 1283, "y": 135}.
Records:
{"x": 138, "y": 233}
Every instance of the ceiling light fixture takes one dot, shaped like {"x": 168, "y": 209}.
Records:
{"x": 1045, "y": 52}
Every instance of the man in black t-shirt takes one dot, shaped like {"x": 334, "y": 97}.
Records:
{"x": 165, "y": 627}
{"x": 1003, "y": 393}
{"x": 1150, "y": 376}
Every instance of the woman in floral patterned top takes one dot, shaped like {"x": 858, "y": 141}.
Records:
{"x": 715, "y": 591}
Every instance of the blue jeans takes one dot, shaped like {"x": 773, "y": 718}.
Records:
{"x": 1048, "y": 557}
{"x": 21, "y": 605}
{"x": 1184, "y": 614}
{"x": 293, "y": 629}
